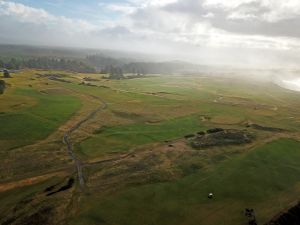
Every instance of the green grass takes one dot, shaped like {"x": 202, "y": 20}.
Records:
{"x": 38, "y": 121}
{"x": 264, "y": 178}
{"x": 122, "y": 138}
{"x": 255, "y": 179}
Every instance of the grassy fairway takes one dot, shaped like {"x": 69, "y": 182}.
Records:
{"x": 122, "y": 138}
{"x": 158, "y": 184}
{"x": 36, "y": 122}
{"x": 264, "y": 179}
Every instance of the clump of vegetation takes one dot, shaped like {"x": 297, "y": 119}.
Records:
{"x": 189, "y": 136}
{"x": 56, "y": 77}
{"x": 264, "y": 128}
{"x": 221, "y": 137}
{"x": 116, "y": 73}
{"x": 2, "y": 86}
{"x": 89, "y": 79}
{"x": 214, "y": 130}
{"x": 138, "y": 75}
{"x": 6, "y": 74}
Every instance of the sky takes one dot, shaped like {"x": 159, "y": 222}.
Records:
{"x": 232, "y": 32}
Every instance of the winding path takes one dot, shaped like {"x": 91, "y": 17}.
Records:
{"x": 68, "y": 142}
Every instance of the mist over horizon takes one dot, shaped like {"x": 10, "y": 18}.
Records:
{"x": 245, "y": 33}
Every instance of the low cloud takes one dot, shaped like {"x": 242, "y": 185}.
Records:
{"x": 187, "y": 29}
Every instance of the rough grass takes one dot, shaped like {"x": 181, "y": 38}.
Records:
{"x": 242, "y": 100}
{"x": 257, "y": 179}
{"x": 265, "y": 179}
{"x": 122, "y": 138}
{"x": 12, "y": 198}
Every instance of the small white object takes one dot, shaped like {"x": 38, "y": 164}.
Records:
{"x": 210, "y": 195}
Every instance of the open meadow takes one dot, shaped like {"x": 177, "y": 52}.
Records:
{"x": 146, "y": 149}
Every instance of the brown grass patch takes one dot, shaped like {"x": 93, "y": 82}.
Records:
{"x": 29, "y": 181}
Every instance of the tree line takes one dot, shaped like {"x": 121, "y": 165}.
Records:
{"x": 47, "y": 63}
{"x": 97, "y": 63}
{"x": 105, "y": 65}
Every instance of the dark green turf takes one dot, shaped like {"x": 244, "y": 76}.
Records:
{"x": 254, "y": 179}
{"x": 40, "y": 120}
{"x": 122, "y": 138}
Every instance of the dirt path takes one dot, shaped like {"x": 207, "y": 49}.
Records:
{"x": 30, "y": 181}
{"x": 68, "y": 142}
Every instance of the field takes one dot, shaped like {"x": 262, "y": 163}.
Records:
{"x": 36, "y": 122}
{"x": 269, "y": 173}
{"x": 138, "y": 164}
{"x": 122, "y": 138}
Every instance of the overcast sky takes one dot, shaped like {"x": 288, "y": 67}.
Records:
{"x": 262, "y": 32}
